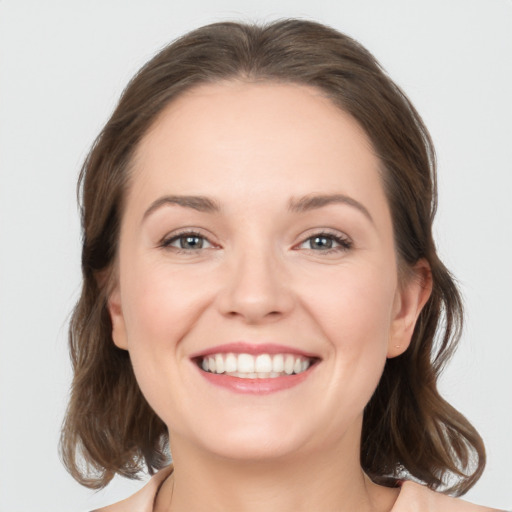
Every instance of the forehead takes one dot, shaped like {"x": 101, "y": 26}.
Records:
{"x": 214, "y": 113}
{"x": 237, "y": 139}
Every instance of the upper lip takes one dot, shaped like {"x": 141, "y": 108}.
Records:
{"x": 244, "y": 347}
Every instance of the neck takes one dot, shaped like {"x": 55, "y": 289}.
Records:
{"x": 300, "y": 482}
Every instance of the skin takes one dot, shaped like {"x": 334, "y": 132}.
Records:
{"x": 259, "y": 277}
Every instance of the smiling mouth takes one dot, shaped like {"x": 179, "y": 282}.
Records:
{"x": 261, "y": 366}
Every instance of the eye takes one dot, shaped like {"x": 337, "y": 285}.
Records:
{"x": 187, "y": 241}
{"x": 327, "y": 243}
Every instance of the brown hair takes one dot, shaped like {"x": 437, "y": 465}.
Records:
{"x": 407, "y": 425}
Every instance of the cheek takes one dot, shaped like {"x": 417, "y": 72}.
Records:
{"x": 154, "y": 313}
{"x": 158, "y": 311}
{"x": 354, "y": 305}
{"x": 160, "y": 307}
{"x": 354, "y": 310}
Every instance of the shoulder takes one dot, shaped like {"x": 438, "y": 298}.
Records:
{"x": 414, "y": 497}
{"x": 142, "y": 500}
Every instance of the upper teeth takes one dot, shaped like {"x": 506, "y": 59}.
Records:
{"x": 253, "y": 367}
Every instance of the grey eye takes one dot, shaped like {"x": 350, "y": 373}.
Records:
{"x": 326, "y": 242}
{"x": 191, "y": 242}
{"x": 321, "y": 242}
{"x": 187, "y": 242}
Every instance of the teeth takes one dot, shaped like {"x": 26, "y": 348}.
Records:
{"x": 219, "y": 364}
{"x": 231, "y": 363}
{"x": 278, "y": 363}
{"x": 263, "y": 366}
{"x": 245, "y": 363}
{"x": 263, "y": 363}
{"x": 289, "y": 363}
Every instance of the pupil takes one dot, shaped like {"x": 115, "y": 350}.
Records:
{"x": 322, "y": 242}
{"x": 191, "y": 242}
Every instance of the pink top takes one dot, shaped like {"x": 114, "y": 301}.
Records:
{"x": 413, "y": 497}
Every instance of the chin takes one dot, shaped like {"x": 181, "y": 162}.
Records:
{"x": 259, "y": 441}
{"x": 255, "y": 450}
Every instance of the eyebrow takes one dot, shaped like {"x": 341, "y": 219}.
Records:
{"x": 295, "y": 205}
{"x": 199, "y": 203}
{"x": 313, "y": 202}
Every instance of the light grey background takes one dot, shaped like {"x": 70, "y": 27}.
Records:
{"x": 63, "y": 65}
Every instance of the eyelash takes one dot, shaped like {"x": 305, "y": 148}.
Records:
{"x": 344, "y": 243}
{"x": 166, "y": 242}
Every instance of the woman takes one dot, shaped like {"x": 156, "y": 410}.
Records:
{"x": 261, "y": 288}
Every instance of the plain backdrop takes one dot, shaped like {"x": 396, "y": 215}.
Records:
{"x": 63, "y": 65}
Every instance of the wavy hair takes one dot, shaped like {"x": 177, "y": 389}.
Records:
{"x": 109, "y": 427}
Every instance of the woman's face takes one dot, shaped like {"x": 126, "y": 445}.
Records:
{"x": 257, "y": 243}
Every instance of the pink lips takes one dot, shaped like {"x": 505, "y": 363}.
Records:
{"x": 254, "y": 386}
{"x": 242, "y": 347}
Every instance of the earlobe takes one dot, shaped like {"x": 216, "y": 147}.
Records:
{"x": 409, "y": 301}
{"x": 117, "y": 319}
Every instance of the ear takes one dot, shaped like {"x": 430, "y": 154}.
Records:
{"x": 117, "y": 319}
{"x": 410, "y": 298}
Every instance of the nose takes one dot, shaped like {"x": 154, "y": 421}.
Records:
{"x": 256, "y": 288}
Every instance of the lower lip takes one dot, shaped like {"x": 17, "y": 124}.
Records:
{"x": 256, "y": 386}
